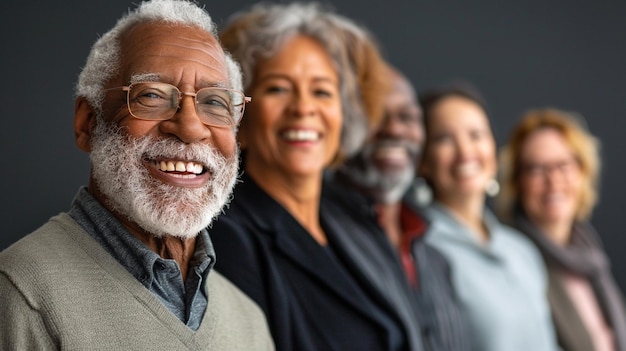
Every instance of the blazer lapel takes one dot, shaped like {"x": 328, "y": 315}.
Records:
{"x": 367, "y": 251}
{"x": 314, "y": 260}
{"x": 295, "y": 244}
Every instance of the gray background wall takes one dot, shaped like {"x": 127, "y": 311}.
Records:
{"x": 567, "y": 54}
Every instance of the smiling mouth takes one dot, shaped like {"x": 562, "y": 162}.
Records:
{"x": 395, "y": 152}
{"x": 300, "y": 135}
{"x": 178, "y": 168}
{"x": 554, "y": 197}
{"x": 467, "y": 169}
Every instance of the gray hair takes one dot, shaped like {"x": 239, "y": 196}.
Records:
{"x": 261, "y": 31}
{"x": 103, "y": 61}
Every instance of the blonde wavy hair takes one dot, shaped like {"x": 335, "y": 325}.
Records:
{"x": 585, "y": 147}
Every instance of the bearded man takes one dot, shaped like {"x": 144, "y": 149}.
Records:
{"x": 384, "y": 172}
{"x": 128, "y": 267}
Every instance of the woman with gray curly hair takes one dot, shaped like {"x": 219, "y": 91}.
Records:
{"x": 303, "y": 65}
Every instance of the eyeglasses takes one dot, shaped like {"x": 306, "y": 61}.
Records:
{"x": 157, "y": 101}
{"x": 539, "y": 170}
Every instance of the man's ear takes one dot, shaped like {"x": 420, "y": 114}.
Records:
{"x": 84, "y": 120}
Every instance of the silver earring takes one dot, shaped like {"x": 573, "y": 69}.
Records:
{"x": 423, "y": 194}
{"x": 492, "y": 188}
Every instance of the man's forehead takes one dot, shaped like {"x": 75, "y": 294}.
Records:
{"x": 161, "y": 49}
{"x": 161, "y": 28}
{"x": 151, "y": 36}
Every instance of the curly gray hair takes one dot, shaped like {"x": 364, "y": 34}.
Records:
{"x": 103, "y": 61}
{"x": 262, "y": 30}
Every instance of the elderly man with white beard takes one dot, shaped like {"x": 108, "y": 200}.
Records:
{"x": 129, "y": 266}
{"x": 384, "y": 172}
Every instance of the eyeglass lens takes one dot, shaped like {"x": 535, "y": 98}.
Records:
{"x": 160, "y": 101}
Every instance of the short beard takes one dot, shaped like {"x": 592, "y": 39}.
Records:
{"x": 159, "y": 208}
{"x": 387, "y": 187}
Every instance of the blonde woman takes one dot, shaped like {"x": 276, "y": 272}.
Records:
{"x": 551, "y": 168}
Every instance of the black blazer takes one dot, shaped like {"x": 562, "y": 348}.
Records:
{"x": 435, "y": 307}
{"x": 311, "y": 296}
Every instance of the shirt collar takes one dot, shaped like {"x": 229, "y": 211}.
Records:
{"x": 129, "y": 251}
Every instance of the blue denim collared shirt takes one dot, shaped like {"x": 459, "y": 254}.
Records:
{"x": 187, "y": 300}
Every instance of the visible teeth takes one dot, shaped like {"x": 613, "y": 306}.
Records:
{"x": 390, "y": 151}
{"x": 554, "y": 197}
{"x": 179, "y": 166}
{"x": 184, "y": 176}
{"x": 468, "y": 169}
{"x": 300, "y": 135}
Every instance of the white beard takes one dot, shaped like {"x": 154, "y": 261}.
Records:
{"x": 159, "y": 208}
{"x": 385, "y": 187}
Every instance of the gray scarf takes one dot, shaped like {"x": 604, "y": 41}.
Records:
{"x": 584, "y": 256}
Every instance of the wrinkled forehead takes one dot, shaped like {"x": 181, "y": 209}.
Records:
{"x": 173, "y": 51}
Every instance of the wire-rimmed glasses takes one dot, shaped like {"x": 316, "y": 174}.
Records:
{"x": 157, "y": 101}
